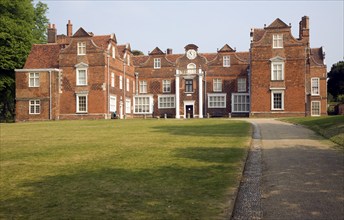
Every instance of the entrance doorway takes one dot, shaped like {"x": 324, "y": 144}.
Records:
{"x": 189, "y": 111}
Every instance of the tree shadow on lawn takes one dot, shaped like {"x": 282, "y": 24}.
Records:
{"x": 216, "y": 130}
{"x": 166, "y": 192}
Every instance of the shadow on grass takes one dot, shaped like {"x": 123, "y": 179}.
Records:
{"x": 215, "y": 130}
{"x": 167, "y": 192}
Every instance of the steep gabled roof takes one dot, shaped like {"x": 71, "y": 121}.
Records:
{"x": 156, "y": 51}
{"x": 43, "y": 56}
{"x": 278, "y": 23}
{"x": 121, "y": 50}
{"x": 139, "y": 60}
{"x": 81, "y": 33}
{"x": 226, "y": 48}
{"x": 317, "y": 56}
{"x": 102, "y": 41}
{"x": 258, "y": 34}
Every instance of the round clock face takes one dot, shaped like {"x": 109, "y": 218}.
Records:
{"x": 191, "y": 54}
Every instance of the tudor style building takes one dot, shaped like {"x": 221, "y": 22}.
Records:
{"x": 84, "y": 76}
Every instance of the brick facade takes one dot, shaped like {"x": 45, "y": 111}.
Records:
{"x": 84, "y": 76}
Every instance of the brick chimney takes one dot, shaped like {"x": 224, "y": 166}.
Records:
{"x": 169, "y": 51}
{"x": 304, "y": 27}
{"x": 69, "y": 29}
{"x": 52, "y": 33}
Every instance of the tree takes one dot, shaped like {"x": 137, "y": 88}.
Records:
{"x": 335, "y": 83}
{"x": 137, "y": 52}
{"x": 21, "y": 25}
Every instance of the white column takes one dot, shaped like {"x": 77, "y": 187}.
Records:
{"x": 200, "y": 94}
{"x": 177, "y": 94}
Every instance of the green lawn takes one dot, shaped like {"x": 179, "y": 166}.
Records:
{"x": 121, "y": 169}
{"x": 331, "y": 127}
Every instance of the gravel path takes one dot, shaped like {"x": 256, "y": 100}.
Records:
{"x": 301, "y": 176}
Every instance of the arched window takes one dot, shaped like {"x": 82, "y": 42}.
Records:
{"x": 191, "y": 68}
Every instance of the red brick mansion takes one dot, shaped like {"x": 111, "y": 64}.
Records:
{"x": 85, "y": 76}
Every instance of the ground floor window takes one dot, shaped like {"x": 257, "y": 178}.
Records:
{"x": 277, "y": 100}
{"x": 315, "y": 105}
{"x": 166, "y": 101}
{"x": 240, "y": 102}
{"x": 113, "y": 104}
{"x": 35, "y": 107}
{"x": 217, "y": 100}
{"x": 81, "y": 103}
{"x": 142, "y": 104}
{"x": 127, "y": 106}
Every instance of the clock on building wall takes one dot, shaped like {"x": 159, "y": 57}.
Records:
{"x": 191, "y": 54}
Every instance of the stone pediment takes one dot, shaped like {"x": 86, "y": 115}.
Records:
{"x": 81, "y": 65}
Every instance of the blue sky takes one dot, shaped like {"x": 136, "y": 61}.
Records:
{"x": 208, "y": 24}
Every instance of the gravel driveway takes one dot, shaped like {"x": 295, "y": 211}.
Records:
{"x": 301, "y": 176}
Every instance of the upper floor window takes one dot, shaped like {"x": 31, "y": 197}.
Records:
{"x": 188, "y": 85}
{"x": 112, "y": 79}
{"x": 217, "y": 85}
{"x": 81, "y": 76}
{"x": 315, "y": 86}
{"x": 127, "y": 86}
{"x": 113, "y": 52}
{"x": 191, "y": 68}
{"x": 226, "y": 61}
{"x": 81, "y": 48}
{"x": 128, "y": 60}
{"x": 277, "y": 71}
{"x": 277, "y": 41}
{"x": 120, "y": 82}
{"x": 34, "y": 80}
{"x": 143, "y": 86}
{"x": 166, "y": 86}
{"x": 157, "y": 63}
{"x": 241, "y": 85}
{"x": 34, "y": 107}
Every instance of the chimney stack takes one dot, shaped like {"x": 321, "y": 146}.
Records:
{"x": 69, "y": 29}
{"x": 52, "y": 33}
{"x": 169, "y": 51}
{"x": 304, "y": 27}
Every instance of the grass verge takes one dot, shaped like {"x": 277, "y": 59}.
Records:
{"x": 331, "y": 127}
{"x": 120, "y": 169}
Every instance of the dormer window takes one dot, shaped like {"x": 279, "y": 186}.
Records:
{"x": 81, "y": 48}
{"x": 226, "y": 61}
{"x": 157, "y": 63}
{"x": 277, "y": 41}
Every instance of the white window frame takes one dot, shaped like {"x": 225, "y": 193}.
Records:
{"x": 215, "y": 103}
{"x": 128, "y": 85}
{"x": 120, "y": 82}
{"x": 242, "y": 85}
{"x": 81, "y": 48}
{"x": 217, "y": 85}
{"x": 226, "y": 61}
{"x": 34, "y": 80}
{"x": 78, "y": 103}
{"x": 157, "y": 63}
{"x": 315, "y": 86}
{"x": 143, "y": 86}
{"x": 113, "y": 52}
{"x": 147, "y": 105}
{"x": 133, "y": 86}
{"x": 34, "y": 107}
{"x": 240, "y": 102}
{"x": 127, "y": 106}
{"x": 272, "y": 99}
{"x": 112, "y": 79}
{"x": 78, "y": 81}
{"x": 166, "y": 86}
{"x": 166, "y": 101}
{"x": 128, "y": 60}
{"x": 277, "y": 41}
{"x": 277, "y": 74}
{"x": 113, "y": 104}
{"x": 313, "y": 113}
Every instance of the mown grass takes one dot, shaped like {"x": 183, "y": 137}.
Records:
{"x": 331, "y": 127}
{"x": 120, "y": 169}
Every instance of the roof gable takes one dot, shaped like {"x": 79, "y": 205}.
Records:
{"x": 156, "y": 51}
{"x": 278, "y": 23}
{"x": 81, "y": 33}
{"x": 226, "y": 48}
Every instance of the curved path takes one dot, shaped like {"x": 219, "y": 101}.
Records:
{"x": 291, "y": 173}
